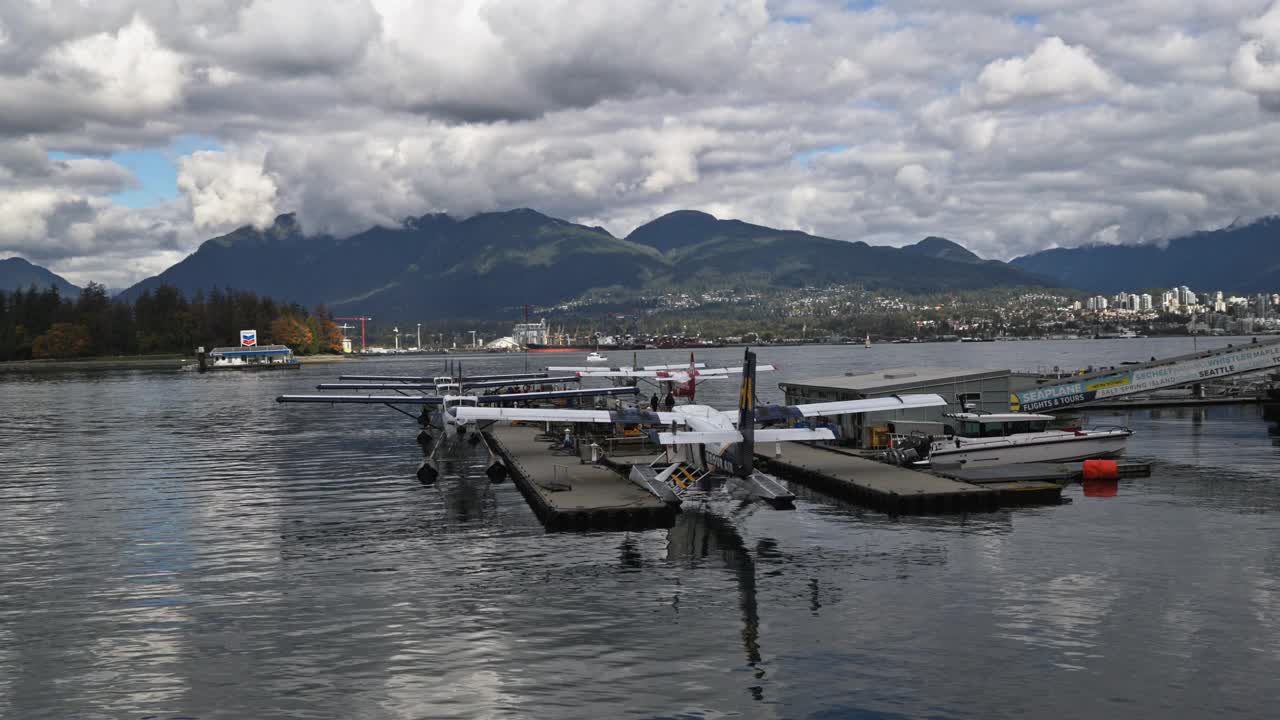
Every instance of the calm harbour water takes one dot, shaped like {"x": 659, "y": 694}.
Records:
{"x": 177, "y": 545}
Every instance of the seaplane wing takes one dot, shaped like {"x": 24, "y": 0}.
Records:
{"x": 466, "y": 384}
{"x": 598, "y": 370}
{"x": 531, "y": 376}
{"x": 733, "y": 370}
{"x": 793, "y": 434}
{"x": 675, "y": 373}
{"x": 553, "y": 394}
{"x": 626, "y": 416}
{"x": 775, "y": 413}
{"x": 363, "y": 399}
{"x": 732, "y": 436}
{"x": 700, "y": 438}
{"x": 684, "y": 366}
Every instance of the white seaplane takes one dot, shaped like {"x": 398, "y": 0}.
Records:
{"x": 448, "y": 394}
{"x": 712, "y": 441}
{"x": 682, "y": 379}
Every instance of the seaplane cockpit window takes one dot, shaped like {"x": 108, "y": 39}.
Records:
{"x": 1038, "y": 425}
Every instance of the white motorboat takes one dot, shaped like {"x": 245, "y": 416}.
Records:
{"x": 596, "y": 357}
{"x": 982, "y": 440}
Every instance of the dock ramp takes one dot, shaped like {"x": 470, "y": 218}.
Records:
{"x": 1080, "y": 390}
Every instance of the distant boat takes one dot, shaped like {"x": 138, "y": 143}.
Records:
{"x": 981, "y": 440}
{"x": 867, "y": 343}
{"x": 596, "y": 357}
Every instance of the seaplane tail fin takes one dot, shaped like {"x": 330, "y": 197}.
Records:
{"x": 745, "y": 455}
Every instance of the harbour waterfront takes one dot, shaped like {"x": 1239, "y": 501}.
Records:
{"x": 182, "y": 546}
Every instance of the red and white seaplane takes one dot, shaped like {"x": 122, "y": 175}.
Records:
{"x": 682, "y": 380}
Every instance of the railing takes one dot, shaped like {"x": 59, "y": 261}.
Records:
{"x": 639, "y": 443}
{"x": 560, "y": 476}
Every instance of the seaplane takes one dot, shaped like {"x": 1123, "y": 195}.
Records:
{"x": 447, "y": 395}
{"x": 708, "y": 440}
{"x": 682, "y": 379}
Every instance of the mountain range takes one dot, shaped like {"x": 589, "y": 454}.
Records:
{"x": 1239, "y": 258}
{"x": 18, "y": 274}
{"x": 483, "y": 266}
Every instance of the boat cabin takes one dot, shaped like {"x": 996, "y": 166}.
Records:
{"x": 985, "y": 425}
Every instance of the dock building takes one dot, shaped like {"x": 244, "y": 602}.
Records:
{"x": 971, "y": 388}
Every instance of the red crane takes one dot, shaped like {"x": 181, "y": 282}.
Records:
{"x": 361, "y": 319}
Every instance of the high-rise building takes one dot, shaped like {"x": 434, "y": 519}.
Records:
{"x": 1144, "y": 303}
{"x": 1134, "y": 302}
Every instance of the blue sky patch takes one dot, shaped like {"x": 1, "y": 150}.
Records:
{"x": 156, "y": 169}
{"x": 805, "y": 157}
{"x": 1029, "y": 20}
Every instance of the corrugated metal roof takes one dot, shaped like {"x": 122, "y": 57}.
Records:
{"x": 879, "y": 381}
{"x": 250, "y": 350}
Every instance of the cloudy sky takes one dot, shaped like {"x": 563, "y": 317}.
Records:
{"x": 132, "y": 131}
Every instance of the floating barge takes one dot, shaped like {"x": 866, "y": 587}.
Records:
{"x": 878, "y": 485}
{"x": 900, "y": 491}
{"x": 567, "y": 494}
{"x": 265, "y": 357}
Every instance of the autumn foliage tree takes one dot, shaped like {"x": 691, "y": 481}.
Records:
{"x": 289, "y": 330}
{"x": 63, "y": 340}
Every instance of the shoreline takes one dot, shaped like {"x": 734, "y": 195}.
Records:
{"x": 121, "y": 362}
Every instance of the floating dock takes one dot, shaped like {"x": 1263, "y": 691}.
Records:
{"x": 1031, "y": 472}
{"x": 900, "y": 491}
{"x": 567, "y": 494}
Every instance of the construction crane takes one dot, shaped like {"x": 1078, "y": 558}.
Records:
{"x": 362, "y": 320}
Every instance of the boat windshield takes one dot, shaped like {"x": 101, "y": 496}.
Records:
{"x": 975, "y": 429}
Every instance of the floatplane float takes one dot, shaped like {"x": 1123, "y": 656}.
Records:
{"x": 702, "y": 443}
{"x": 441, "y": 396}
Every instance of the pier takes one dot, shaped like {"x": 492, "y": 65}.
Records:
{"x": 567, "y": 494}
{"x": 900, "y": 491}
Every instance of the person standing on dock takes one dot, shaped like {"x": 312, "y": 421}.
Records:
{"x": 653, "y": 402}
{"x": 670, "y": 402}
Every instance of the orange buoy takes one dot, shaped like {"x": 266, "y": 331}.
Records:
{"x": 1101, "y": 470}
{"x": 1101, "y": 488}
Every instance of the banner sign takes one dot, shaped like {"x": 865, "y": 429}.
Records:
{"x": 248, "y": 338}
{"x": 1247, "y": 358}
